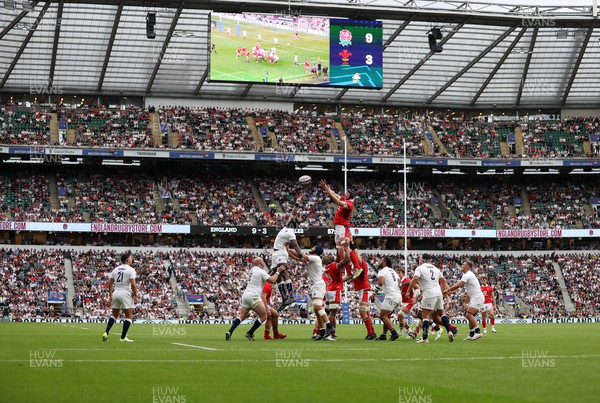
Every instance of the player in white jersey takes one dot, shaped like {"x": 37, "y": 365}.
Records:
{"x": 474, "y": 298}
{"x": 285, "y": 240}
{"x": 387, "y": 279}
{"x": 251, "y": 298}
{"x": 432, "y": 283}
{"x": 123, "y": 293}
{"x": 314, "y": 269}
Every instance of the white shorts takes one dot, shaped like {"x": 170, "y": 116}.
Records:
{"x": 341, "y": 232}
{"x": 279, "y": 257}
{"x": 477, "y": 302}
{"x": 333, "y": 299}
{"x": 250, "y": 300}
{"x": 434, "y": 303}
{"x": 391, "y": 302}
{"x": 487, "y": 307}
{"x": 318, "y": 290}
{"x": 122, "y": 300}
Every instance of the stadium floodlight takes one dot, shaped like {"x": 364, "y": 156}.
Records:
{"x": 28, "y": 6}
{"x": 10, "y": 4}
{"x": 434, "y": 35}
{"x": 562, "y": 34}
{"x": 150, "y": 23}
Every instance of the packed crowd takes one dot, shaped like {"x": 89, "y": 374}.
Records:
{"x": 582, "y": 276}
{"x": 91, "y": 272}
{"x": 208, "y": 128}
{"x": 225, "y": 129}
{"x": 554, "y": 140}
{"x": 383, "y": 134}
{"x": 555, "y": 205}
{"x": 26, "y": 197}
{"x": 213, "y": 199}
{"x": 297, "y": 133}
{"x": 476, "y": 204}
{"x": 26, "y": 279}
{"x": 31, "y": 127}
{"x": 96, "y": 127}
{"x": 115, "y": 198}
{"x": 470, "y": 140}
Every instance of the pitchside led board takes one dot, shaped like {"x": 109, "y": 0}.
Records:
{"x": 288, "y": 50}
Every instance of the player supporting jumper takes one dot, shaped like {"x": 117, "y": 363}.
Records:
{"x": 314, "y": 267}
{"x": 489, "y": 304}
{"x": 123, "y": 293}
{"x": 387, "y": 279}
{"x": 334, "y": 279}
{"x": 474, "y": 298}
{"x": 284, "y": 241}
{"x": 272, "y": 315}
{"x": 409, "y": 298}
{"x": 251, "y": 298}
{"x": 432, "y": 283}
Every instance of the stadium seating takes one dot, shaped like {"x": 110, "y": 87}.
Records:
{"x": 208, "y": 129}
{"x": 30, "y": 127}
{"x": 91, "y": 272}
{"x": 26, "y": 278}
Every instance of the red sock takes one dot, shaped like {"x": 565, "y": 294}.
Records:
{"x": 354, "y": 260}
{"x": 452, "y": 327}
{"x": 484, "y": 323}
{"x": 266, "y": 332}
{"x": 492, "y": 321}
{"x": 315, "y": 331}
{"x": 369, "y": 326}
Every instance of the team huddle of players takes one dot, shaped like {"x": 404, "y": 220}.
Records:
{"x": 327, "y": 277}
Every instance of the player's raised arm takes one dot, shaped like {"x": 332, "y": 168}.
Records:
{"x": 334, "y": 196}
{"x": 297, "y": 204}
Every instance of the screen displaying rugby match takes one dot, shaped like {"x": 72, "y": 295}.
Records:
{"x": 288, "y": 49}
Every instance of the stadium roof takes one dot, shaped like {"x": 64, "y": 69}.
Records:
{"x": 494, "y": 54}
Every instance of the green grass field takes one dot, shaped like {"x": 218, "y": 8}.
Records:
{"x": 69, "y": 363}
{"x": 225, "y": 67}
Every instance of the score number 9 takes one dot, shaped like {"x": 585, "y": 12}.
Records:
{"x": 259, "y": 230}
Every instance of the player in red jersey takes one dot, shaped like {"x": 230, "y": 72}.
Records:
{"x": 341, "y": 221}
{"x": 361, "y": 285}
{"x": 489, "y": 304}
{"x": 272, "y": 315}
{"x": 409, "y": 298}
{"x": 334, "y": 279}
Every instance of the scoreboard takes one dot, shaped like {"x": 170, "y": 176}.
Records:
{"x": 356, "y": 53}
{"x": 288, "y": 49}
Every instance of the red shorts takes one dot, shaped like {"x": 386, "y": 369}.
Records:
{"x": 407, "y": 305}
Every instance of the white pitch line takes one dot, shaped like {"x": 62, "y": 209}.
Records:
{"x": 192, "y": 346}
{"x": 317, "y": 360}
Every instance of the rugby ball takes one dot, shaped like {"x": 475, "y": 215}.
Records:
{"x": 305, "y": 180}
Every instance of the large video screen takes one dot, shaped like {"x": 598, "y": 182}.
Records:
{"x": 287, "y": 49}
